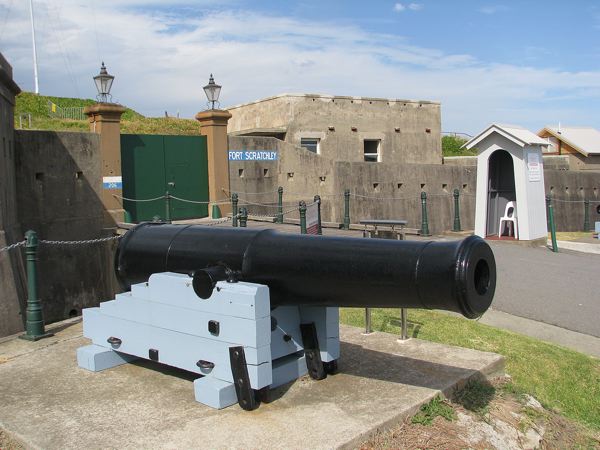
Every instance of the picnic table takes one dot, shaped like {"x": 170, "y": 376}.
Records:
{"x": 384, "y": 228}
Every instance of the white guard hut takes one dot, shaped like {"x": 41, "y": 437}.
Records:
{"x": 509, "y": 169}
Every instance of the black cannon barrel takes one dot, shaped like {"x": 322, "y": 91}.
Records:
{"x": 301, "y": 269}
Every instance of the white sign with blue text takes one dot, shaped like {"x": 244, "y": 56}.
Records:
{"x": 252, "y": 155}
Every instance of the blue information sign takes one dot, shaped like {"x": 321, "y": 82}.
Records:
{"x": 252, "y": 155}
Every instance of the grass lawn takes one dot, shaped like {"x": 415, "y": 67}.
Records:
{"x": 561, "y": 379}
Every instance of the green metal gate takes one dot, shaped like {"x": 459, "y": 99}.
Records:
{"x": 153, "y": 165}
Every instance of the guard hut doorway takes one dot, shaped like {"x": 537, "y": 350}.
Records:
{"x": 501, "y": 189}
{"x": 510, "y": 183}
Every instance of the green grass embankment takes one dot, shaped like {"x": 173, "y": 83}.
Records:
{"x": 561, "y": 379}
{"x": 132, "y": 122}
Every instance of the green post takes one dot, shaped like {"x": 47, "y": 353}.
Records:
{"x": 302, "y": 209}
{"x": 424, "y": 221}
{"x": 548, "y": 202}
{"x": 279, "y": 218}
{"x": 346, "y": 225}
{"x": 456, "y": 211}
{"x": 34, "y": 323}
{"x": 586, "y": 215}
{"x": 127, "y": 217}
{"x": 216, "y": 212}
{"x": 552, "y": 228}
{"x": 234, "y": 209}
{"x": 243, "y": 217}
{"x": 168, "y": 207}
{"x": 317, "y": 199}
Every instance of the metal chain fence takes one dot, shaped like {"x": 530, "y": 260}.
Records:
{"x": 82, "y": 242}
{"x": 12, "y": 246}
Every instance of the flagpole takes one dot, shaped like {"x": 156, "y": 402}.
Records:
{"x": 35, "y": 67}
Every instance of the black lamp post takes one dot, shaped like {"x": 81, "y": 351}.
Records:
{"x": 212, "y": 91}
{"x": 103, "y": 83}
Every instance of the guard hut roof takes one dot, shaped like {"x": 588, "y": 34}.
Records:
{"x": 519, "y": 135}
{"x": 585, "y": 140}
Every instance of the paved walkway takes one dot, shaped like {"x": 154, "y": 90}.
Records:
{"x": 561, "y": 289}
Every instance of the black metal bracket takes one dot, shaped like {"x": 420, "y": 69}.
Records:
{"x": 245, "y": 394}
{"x": 312, "y": 353}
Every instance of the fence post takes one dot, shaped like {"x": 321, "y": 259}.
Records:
{"x": 168, "y": 207}
{"x": 368, "y": 323}
{"x": 403, "y": 324}
{"x": 216, "y": 212}
{"x": 243, "y": 217}
{"x": 456, "y": 211}
{"x": 424, "y": 222}
{"x": 548, "y": 202}
{"x": 346, "y": 225}
{"x": 586, "y": 215}
{"x": 302, "y": 209}
{"x": 234, "y": 209}
{"x": 34, "y": 323}
{"x": 552, "y": 228}
{"x": 317, "y": 200}
{"x": 279, "y": 218}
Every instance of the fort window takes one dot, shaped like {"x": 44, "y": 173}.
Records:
{"x": 310, "y": 144}
{"x": 372, "y": 150}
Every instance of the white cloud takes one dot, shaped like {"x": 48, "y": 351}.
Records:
{"x": 161, "y": 59}
{"x": 493, "y": 9}
{"x": 399, "y": 7}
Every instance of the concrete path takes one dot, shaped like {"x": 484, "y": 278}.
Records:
{"x": 584, "y": 343}
{"x": 561, "y": 289}
{"x": 48, "y": 402}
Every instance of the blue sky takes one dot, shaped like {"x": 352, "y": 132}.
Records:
{"x": 530, "y": 63}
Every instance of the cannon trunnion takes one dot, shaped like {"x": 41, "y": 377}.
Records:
{"x": 253, "y": 309}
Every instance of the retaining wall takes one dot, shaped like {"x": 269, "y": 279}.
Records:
{"x": 12, "y": 276}
{"x": 389, "y": 191}
{"x": 59, "y": 183}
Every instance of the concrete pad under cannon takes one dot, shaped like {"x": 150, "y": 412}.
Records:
{"x": 48, "y": 402}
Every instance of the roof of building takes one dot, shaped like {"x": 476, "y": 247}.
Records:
{"x": 585, "y": 140}
{"x": 336, "y": 97}
{"x": 519, "y": 135}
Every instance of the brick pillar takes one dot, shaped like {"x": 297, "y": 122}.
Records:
{"x": 213, "y": 125}
{"x": 105, "y": 119}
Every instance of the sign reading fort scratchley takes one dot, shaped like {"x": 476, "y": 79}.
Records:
{"x": 252, "y": 155}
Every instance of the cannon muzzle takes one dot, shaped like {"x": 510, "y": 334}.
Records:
{"x": 308, "y": 270}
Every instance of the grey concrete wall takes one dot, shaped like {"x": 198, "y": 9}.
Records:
{"x": 59, "y": 185}
{"x": 12, "y": 282}
{"x": 569, "y": 189}
{"x": 301, "y": 173}
{"x": 410, "y": 131}
{"x": 393, "y": 191}
{"x": 379, "y": 190}
{"x": 578, "y": 161}
{"x": 387, "y": 191}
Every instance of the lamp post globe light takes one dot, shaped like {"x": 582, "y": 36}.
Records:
{"x": 103, "y": 82}
{"x": 212, "y": 91}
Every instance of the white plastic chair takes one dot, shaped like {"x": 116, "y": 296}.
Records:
{"x": 510, "y": 215}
